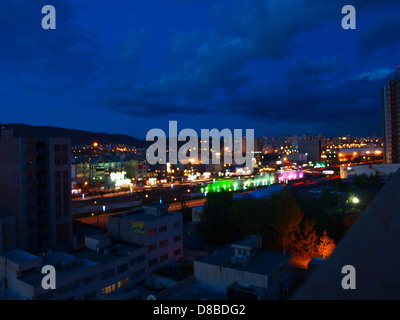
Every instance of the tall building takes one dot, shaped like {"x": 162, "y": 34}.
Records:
{"x": 35, "y": 189}
{"x": 391, "y": 119}
{"x": 311, "y": 146}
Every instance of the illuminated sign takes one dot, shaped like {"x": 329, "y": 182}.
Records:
{"x": 119, "y": 179}
{"x": 138, "y": 226}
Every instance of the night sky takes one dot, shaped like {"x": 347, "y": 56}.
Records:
{"x": 281, "y": 67}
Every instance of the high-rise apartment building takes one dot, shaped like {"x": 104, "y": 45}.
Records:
{"x": 35, "y": 189}
{"x": 391, "y": 119}
{"x": 311, "y": 146}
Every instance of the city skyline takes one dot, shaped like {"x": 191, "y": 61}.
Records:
{"x": 280, "y": 69}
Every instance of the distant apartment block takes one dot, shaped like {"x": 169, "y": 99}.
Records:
{"x": 391, "y": 119}
{"x": 311, "y": 147}
{"x": 35, "y": 189}
{"x": 96, "y": 171}
{"x": 153, "y": 227}
{"x": 242, "y": 270}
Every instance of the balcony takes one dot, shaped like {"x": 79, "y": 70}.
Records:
{"x": 372, "y": 247}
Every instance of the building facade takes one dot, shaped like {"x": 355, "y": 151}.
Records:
{"x": 153, "y": 227}
{"x": 311, "y": 147}
{"x": 391, "y": 119}
{"x": 35, "y": 188}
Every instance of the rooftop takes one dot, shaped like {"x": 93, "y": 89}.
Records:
{"x": 262, "y": 263}
{"x": 141, "y": 214}
{"x": 121, "y": 250}
{"x": 18, "y": 256}
{"x": 63, "y": 262}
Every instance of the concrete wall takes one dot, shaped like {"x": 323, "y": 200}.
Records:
{"x": 222, "y": 277}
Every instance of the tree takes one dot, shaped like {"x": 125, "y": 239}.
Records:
{"x": 284, "y": 216}
{"x": 215, "y": 219}
{"x": 325, "y": 246}
{"x": 306, "y": 242}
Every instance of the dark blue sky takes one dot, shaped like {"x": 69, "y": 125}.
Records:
{"x": 276, "y": 66}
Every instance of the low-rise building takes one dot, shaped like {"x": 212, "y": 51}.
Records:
{"x": 21, "y": 274}
{"x": 244, "y": 264}
{"x": 122, "y": 266}
{"x": 153, "y": 227}
{"x": 382, "y": 170}
{"x": 102, "y": 270}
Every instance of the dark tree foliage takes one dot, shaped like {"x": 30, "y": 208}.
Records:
{"x": 275, "y": 219}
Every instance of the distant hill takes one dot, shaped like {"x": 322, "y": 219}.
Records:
{"x": 78, "y": 137}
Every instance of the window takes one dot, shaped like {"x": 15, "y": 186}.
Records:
{"x": 163, "y": 243}
{"x": 153, "y": 247}
{"x": 177, "y": 252}
{"x": 107, "y": 274}
{"x": 89, "y": 280}
{"x": 137, "y": 260}
{"x": 177, "y": 238}
{"x": 151, "y": 232}
{"x": 122, "y": 268}
{"x": 123, "y": 283}
{"x": 177, "y": 224}
{"x": 108, "y": 290}
{"x": 164, "y": 257}
{"x": 284, "y": 291}
{"x": 162, "y": 229}
{"x": 6, "y": 239}
{"x": 153, "y": 262}
{"x": 138, "y": 274}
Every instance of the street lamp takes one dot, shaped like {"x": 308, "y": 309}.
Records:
{"x": 356, "y": 200}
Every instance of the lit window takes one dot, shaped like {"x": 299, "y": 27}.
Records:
{"x": 123, "y": 283}
{"x": 108, "y": 290}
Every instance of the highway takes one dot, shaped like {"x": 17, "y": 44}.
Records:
{"x": 101, "y": 219}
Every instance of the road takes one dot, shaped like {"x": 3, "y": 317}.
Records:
{"x": 101, "y": 219}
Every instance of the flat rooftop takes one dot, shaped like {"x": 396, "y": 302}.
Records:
{"x": 263, "y": 262}
{"x": 64, "y": 263}
{"x": 19, "y": 256}
{"x": 141, "y": 215}
{"x": 91, "y": 255}
{"x": 249, "y": 242}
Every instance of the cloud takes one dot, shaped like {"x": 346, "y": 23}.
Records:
{"x": 220, "y": 67}
{"x": 63, "y": 58}
{"x": 381, "y": 34}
